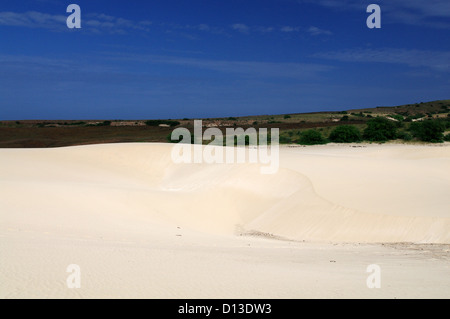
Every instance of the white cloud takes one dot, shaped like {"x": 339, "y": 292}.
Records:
{"x": 241, "y": 28}
{"x": 317, "y": 31}
{"x": 92, "y": 22}
{"x": 435, "y": 60}
{"x": 243, "y": 68}
{"x": 32, "y": 19}
{"x": 289, "y": 29}
{"x": 433, "y": 13}
{"x": 264, "y": 29}
{"x": 203, "y": 27}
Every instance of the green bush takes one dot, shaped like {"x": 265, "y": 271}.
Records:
{"x": 285, "y": 139}
{"x": 404, "y": 136}
{"x": 428, "y": 131}
{"x": 344, "y": 118}
{"x": 345, "y": 134}
{"x": 104, "y": 123}
{"x": 312, "y": 137}
{"x": 287, "y": 117}
{"x": 380, "y": 129}
{"x": 398, "y": 117}
{"x": 447, "y": 138}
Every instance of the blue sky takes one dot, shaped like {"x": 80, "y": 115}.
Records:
{"x": 211, "y": 58}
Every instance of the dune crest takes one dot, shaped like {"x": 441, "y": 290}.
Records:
{"x": 122, "y": 187}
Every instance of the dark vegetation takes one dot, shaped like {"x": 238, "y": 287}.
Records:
{"x": 345, "y": 134}
{"x": 162, "y": 122}
{"x": 427, "y": 122}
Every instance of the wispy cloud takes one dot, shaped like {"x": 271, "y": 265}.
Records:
{"x": 99, "y": 23}
{"x": 432, "y": 13}
{"x": 435, "y": 60}
{"x": 317, "y": 31}
{"x": 290, "y": 29}
{"x": 246, "y": 29}
{"x": 106, "y": 65}
{"x": 243, "y": 28}
{"x": 32, "y": 19}
{"x": 202, "y": 27}
{"x": 241, "y": 68}
{"x": 92, "y": 22}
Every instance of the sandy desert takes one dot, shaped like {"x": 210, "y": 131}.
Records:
{"x": 140, "y": 226}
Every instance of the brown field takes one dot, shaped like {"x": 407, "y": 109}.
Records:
{"x": 58, "y": 133}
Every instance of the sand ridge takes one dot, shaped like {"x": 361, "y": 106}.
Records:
{"x": 120, "y": 201}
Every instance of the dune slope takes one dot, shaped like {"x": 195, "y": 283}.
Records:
{"x": 108, "y": 185}
{"x": 168, "y": 230}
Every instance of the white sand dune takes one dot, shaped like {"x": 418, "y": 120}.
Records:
{"x": 141, "y": 226}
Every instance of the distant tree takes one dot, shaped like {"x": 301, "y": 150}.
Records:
{"x": 345, "y": 134}
{"x": 344, "y": 118}
{"x": 287, "y": 117}
{"x": 428, "y": 131}
{"x": 312, "y": 137}
{"x": 404, "y": 136}
{"x": 285, "y": 139}
{"x": 380, "y": 129}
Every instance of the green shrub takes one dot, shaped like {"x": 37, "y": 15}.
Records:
{"x": 344, "y": 118}
{"x": 287, "y": 117}
{"x": 345, "y": 134}
{"x": 312, "y": 137}
{"x": 380, "y": 130}
{"x": 285, "y": 139}
{"x": 404, "y": 136}
{"x": 428, "y": 131}
{"x": 398, "y": 117}
{"x": 447, "y": 138}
